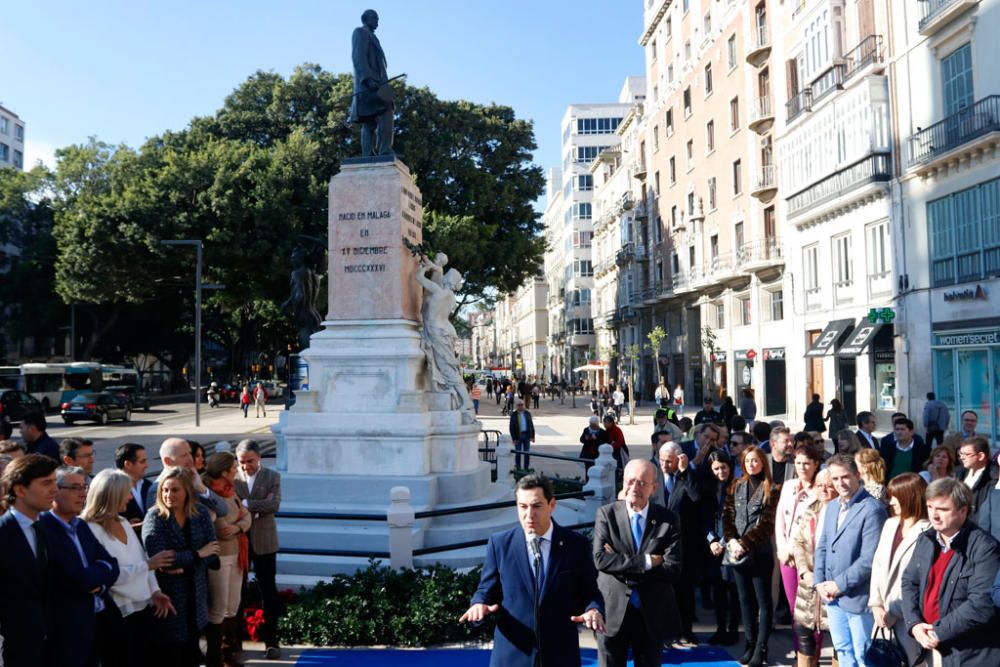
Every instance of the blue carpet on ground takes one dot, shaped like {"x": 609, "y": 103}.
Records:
{"x": 702, "y": 656}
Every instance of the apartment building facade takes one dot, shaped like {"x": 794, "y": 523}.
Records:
{"x": 715, "y": 278}
{"x": 11, "y": 139}
{"x": 587, "y": 131}
{"x": 946, "y": 216}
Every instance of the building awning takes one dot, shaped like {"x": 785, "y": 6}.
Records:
{"x": 859, "y": 339}
{"x": 590, "y": 367}
{"x": 826, "y": 341}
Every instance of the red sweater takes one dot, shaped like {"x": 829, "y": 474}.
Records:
{"x": 932, "y": 594}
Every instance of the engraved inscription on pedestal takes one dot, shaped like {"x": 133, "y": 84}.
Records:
{"x": 373, "y": 207}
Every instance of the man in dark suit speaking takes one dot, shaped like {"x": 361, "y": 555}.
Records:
{"x": 637, "y": 548}
{"x": 539, "y": 580}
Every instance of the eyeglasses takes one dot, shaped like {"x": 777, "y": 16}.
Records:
{"x": 637, "y": 482}
{"x": 76, "y": 488}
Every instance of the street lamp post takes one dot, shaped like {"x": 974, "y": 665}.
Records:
{"x": 197, "y": 319}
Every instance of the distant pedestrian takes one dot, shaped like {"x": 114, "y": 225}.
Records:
{"x": 522, "y": 433}
{"x": 813, "y": 416}
{"x": 748, "y": 407}
{"x": 489, "y": 387}
{"x": 728, "y": 411}
{"x": 662, "y": 394}
{"x": 260, "y": 399}
{"x": 477, "y": 394}
{"x": 536, "y": 393}
{"x": 679, "y": 399}
{"x": 936, "y": 420}
{"x": 619, "y": 400}
{"x": 245, "y": 400}
{"x": 837, "y": 417}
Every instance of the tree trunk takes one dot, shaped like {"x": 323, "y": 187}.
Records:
{"x": 98, "y": 329}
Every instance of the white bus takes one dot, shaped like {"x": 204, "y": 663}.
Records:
{"x": 55, "y": 384}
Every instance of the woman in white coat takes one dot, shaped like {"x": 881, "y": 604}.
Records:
{"x": 895, "y": 548}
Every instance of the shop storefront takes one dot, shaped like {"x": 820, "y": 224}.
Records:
{"x": 967, "y": 374}
{"x": 869, "y": 345}
{"x": 744, "y": 373}
{"x": 775, "y": 387}
{"x": 720, "y": 374}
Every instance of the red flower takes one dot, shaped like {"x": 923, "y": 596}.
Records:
{"x": 253, "y": 619}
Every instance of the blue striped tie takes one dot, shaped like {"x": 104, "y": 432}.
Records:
{"x": 633, "y": 599}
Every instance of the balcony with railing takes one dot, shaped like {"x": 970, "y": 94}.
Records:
{"x": 760, "y": 45}
{"x": 830, "y": 80}
{"x": 963, "y": 132}
{"x": 799, "y": 104}
{"x": 626, "y": 253}
{"x": 638, "y": 170}
{"x": 936, "y": 14}
{"x": 870, "y": 169}
{"x": 760, "y": 255}
{"x": 765, "y": 183}
{"x": 866, "y": 57}
{"x": 761, "y": 115}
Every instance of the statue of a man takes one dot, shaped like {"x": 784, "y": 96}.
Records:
{"x": 301, "y": 302}
{"x": 439, "y": 334}
{"x": 371, "y": 105}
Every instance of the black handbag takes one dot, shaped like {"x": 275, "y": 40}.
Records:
{"x": 885, "y": 651}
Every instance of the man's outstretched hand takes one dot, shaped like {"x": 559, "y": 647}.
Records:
{"x": 478, "y": 612}
{"x": 592, "y": 619}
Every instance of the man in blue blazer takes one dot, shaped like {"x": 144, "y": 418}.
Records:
{"x": 540, "y": 581}
{"x": 81, "y": 572}
{"x": 29, "y": 486}
{"x": 851, "y": 531}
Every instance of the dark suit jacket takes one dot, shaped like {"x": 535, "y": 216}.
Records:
{"x": 967, "y": 627}
{"x": 921, "y": 452}
{"x": 262, "y": 504}
{"x": 24, "y": 619}
{"x": 981, "y": 490}
{"x": 369, "y": 65}
{"x": 874, "y": 444}
{"x": 133, "y": 512}
{"x": 515, "y": 426}
{"x": 623, "y": 570}
{"x": 45, "y": 446}
{"x": 684, "y": 504}
{"x": 74, "y": 623}
{"x": 570, "y": 588}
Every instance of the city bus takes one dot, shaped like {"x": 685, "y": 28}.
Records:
{"x": 55, "y": 384}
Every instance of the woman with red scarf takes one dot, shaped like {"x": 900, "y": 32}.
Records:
{"x": 225, "y": 583}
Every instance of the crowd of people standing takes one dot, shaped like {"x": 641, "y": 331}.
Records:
{"x": 117, "y": 569}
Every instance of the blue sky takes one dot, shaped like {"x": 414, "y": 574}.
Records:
{"x": 124, "y": 70}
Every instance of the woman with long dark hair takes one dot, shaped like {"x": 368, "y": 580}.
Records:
{"x": 748, "y": 528}
{"x": 717, "y": 487}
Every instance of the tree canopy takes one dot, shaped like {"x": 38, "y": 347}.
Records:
{"x": 251, "y": 182}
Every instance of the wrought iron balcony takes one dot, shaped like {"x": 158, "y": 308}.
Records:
{"x": 830, "y": 80}
{"x": 938, "y": 13}
{"x": 760, "y": 45}
{"x": 759, "y": 255}
{"x": 799, "y": 104}
{"x": 761, "y": 115}
{"x": 867, "y": 53}
{"x": 626, "y": 253}
{"x": 765, "y": 183}
{"x": 871, "y": 168}
{"x": 962, "y": 127}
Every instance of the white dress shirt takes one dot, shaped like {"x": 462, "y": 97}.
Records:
{"x": 546, "y": 547}
{"x": 136, "y": 582}
{"x": 27, "y": 528}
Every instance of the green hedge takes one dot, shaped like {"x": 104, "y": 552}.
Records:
{"x": 379, "y": 605}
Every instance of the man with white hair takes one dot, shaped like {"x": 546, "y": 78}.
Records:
{"x": 177, "y": 452}
{"x": 680, "y": 496}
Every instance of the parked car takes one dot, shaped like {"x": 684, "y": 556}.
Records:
{"x": 274, "y": 389}
{"x": 14, "y": 404}
{"x": 100, "y": 407}
{"x": 134, "y": 397}
{"x": 229, "y": 392}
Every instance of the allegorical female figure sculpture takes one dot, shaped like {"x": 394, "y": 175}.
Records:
{"x": 439, "y": 335}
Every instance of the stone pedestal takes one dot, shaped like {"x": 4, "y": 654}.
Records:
{"x": 370, "y": 423}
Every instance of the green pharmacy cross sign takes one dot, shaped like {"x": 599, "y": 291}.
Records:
{"x": 883, "y": 315}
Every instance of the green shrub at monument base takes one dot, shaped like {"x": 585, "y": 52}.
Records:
{"x": 380, "y": 606}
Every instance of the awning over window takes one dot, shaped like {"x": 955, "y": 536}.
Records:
{"x": 859, "y": 339}
{"x": 828, "y": 339}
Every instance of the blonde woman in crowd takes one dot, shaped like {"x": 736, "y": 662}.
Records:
{"x": 181, "y": 524}
{"x": 124, "y": 633}
{"x": 941, "y": 463}
{"x": 907, "y": 520}
{"x": 809, "y": 618}
{"x": 225, "y": 584}
{"x": 872, "y": 469}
